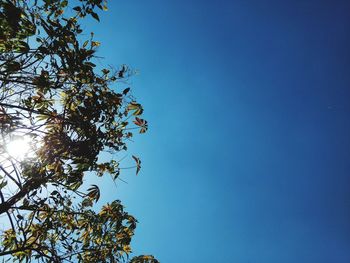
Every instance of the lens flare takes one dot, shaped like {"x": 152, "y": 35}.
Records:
{"x": 19, "y": 148}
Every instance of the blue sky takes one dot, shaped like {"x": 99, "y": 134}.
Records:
{"x": 248, "y": 154}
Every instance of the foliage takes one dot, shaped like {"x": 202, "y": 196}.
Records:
{"x": 53, "y": 93}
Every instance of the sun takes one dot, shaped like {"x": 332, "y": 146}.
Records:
{"x": 19, "y": 148}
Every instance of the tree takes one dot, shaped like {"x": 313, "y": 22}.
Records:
{"x": 53, "y": 94}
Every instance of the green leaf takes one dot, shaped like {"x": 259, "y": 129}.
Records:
{"x": 95, "y": 43}
{"x": 136, "y": 107}
{"x": 3, "y": 184}
{"x": 64, "y": 3}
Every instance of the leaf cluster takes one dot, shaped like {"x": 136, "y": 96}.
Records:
{"x": 52, "y": 92}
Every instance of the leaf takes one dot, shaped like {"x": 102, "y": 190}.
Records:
{"x": 77, "y": 8}
{"x": 95, "y": 43}
{"x": 55, "y": 193}
{"x": 3, "y": 184}
{"x": 136, "y": 107}
{"x": 87, "y": 202}
{"x": 59, "y": 12}
{"x": 64, "y": 3}
{"x": 126, "y": 91}
{"x": 105, "y": 71}
{"x": 121, "y": 72}
{"x": 13, "y": 66}
{"x": 144, "y": 259}
{"x": 23, "y": 46}
{"x": 126, "y": 248}
{"x": 142, "y": 123}
{"x": 138, "y": 164}
{"x": 94, "y": 192}
{"x": 85, "y": 43}
{"x": 94, "y": 15}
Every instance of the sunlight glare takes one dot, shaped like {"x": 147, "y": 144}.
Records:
{"x": 19, "y": 148}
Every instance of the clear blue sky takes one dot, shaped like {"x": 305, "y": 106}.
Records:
{"x": 248, "y": 154}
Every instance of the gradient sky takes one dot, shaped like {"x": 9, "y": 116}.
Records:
{"x": 248, "y": 154}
